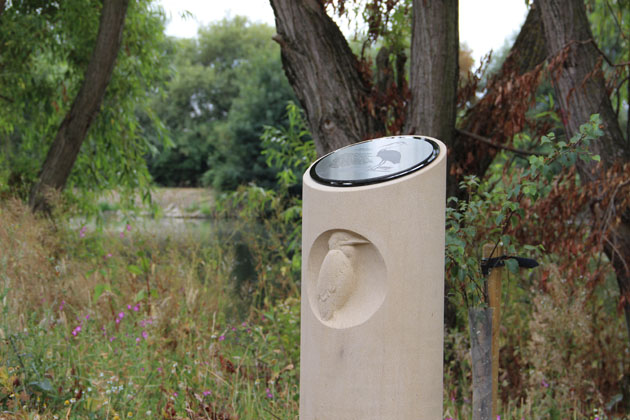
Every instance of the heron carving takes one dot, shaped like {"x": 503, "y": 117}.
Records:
{"x": 338, "y": 274}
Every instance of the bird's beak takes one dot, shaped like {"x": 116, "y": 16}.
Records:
{"x": 355, "y": 242}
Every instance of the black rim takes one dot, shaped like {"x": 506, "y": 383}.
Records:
{"x": 376, "y": 180}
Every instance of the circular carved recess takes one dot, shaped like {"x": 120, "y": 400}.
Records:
{"x": 346, "y": 279}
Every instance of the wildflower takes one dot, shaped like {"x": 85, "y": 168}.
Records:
{"x": 269, "y": 394}
{"x": 244, "y": 324}
{"x": 137, "y": 339}
{"x": 121, "y": 315}
{"x": 129, "y": 307}
{"x": 221, "y": 338}
{"x": 122, "y": 235}
{"x": 87, "y": 317}
{"x": 136, "y": 308}
{"x": 148, "y": 413}
{"x": 130, "y": 414}
{"x": 175, "y": 394}
{"x": 66, "y": 402}
{"x": 233, "y": 328}
{"x": 206, "y": 393}
{"x": 544, "y": 384}
{"x": 144, "y": 335}
{"x": 159, "y": 369}
{"x": 111, "y": 339}
{"x": 128, "y": 228}
{"x": 76, "y": 331}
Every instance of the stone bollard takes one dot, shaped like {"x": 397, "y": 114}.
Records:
{"x": 373, "y": 282}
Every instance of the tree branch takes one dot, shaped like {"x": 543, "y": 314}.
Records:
{"x": 496, "y": 145}
{"x": 6, "y": 98}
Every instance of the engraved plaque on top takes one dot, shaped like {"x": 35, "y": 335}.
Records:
{"x": 374, "y": 161}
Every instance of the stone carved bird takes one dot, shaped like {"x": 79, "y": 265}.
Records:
{"x": 338, "y": 273}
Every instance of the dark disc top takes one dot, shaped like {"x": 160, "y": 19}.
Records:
{"x": 374, "y": 161}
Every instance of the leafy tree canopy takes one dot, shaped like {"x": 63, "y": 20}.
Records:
{"x": 227, "y": 86}
{"x": 45, "y": 48}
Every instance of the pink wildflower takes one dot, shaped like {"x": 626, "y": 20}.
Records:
{"x": 206, "y": 393}
{"x": 122, "y": 235}
{"x": 128, "y": 228}
{"x": 136, "y": 308}
{"x": 111, "y": 339}
{"x": 221, "y": 338}
{"x": 121, "y": 315}
{"x": 144, "y": 335}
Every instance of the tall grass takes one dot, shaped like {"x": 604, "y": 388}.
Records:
{"x": 126, "y": 325}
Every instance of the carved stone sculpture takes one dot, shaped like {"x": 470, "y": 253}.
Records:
{"x": 338, "y": 275}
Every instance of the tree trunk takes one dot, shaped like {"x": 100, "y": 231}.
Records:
{"x": 325, "y": 75}
{"x": 65, "y": 148}
{"x": 581, "y": 92}
{"x": 434, "y": 70}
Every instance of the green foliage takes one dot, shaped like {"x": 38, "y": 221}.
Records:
{"x": 228, "y": 85}
{"x": 265, "y": 228}
{"x": 493, "y": 205}
{"x": 290, "y": 150}
{"x": 45, "y": 52}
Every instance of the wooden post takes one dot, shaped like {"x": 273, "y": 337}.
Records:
{"x": 494, "y": 297}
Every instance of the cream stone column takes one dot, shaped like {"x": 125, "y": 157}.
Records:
{"x": 373, "y": 282}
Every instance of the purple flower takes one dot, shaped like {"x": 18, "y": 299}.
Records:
{"x": 121, "y": 315}
{"x": 233, "y": 328}
{"x": 221, "y": 338}
{"x": 76, "y": 331}
{"x": 136, "y": 308}
{"x": 111, "y": 339}
{"x": 87, "y": 317}
{"x": 128, "y": 307}
{"x": 545, "y": 384}
{"x": 128, "y": 228}
{"x": 138, "y": 340}
{"x": 159, "y": 369}
{"x": 122, "y": 235}
{"x": 269, "y": 394}
{"x": 175, "y": 394}
{"x": 144, "y": 335}
{"x": 206, "y": 393}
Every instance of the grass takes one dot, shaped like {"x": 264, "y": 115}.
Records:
{"x": 124, "y": 325}
{"x": 102, "y": 324}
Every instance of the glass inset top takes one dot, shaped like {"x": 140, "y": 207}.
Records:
{"x": 374, "y": 161}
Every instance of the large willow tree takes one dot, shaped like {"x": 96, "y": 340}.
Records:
{"x": 74, "y": 78}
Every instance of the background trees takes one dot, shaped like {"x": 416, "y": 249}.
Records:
{"x": 46, "y": 51}
{"x": 227, "y": 85}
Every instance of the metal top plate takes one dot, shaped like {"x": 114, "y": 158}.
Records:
{"x": 374, "y": 161}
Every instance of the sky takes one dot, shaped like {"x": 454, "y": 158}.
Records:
{"x": 484, "y": 25}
